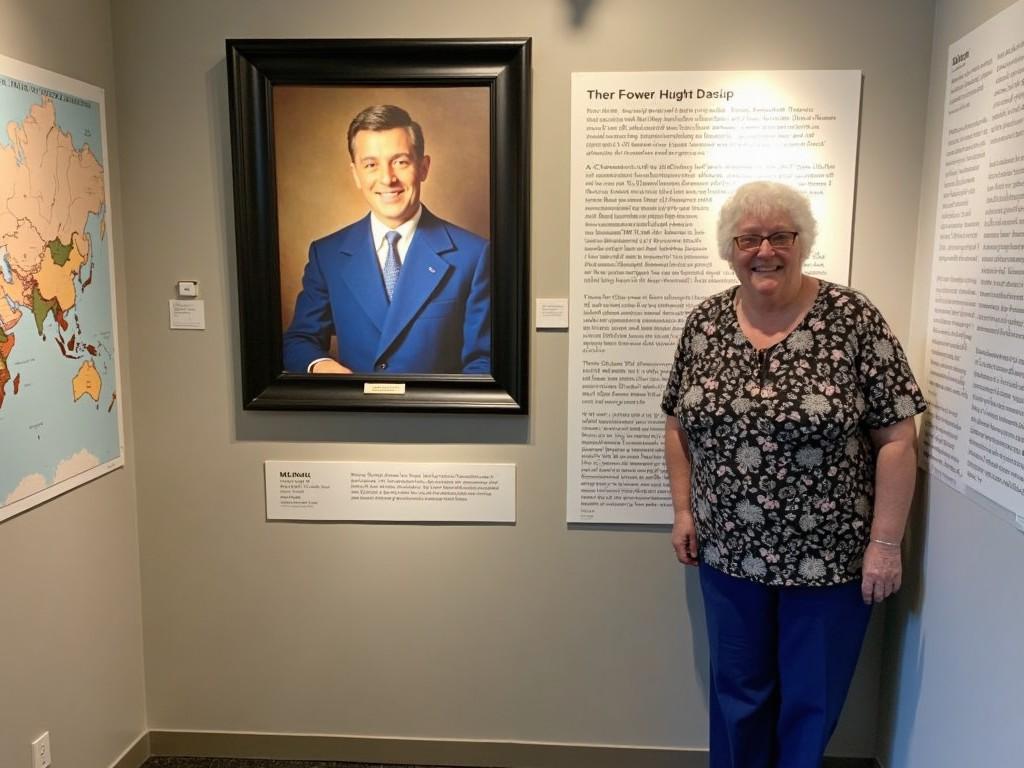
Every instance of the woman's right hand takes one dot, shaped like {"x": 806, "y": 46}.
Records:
{"x": 684, "y": 538}
{"x": 677, "y": 462}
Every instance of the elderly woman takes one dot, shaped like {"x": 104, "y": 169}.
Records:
{"x": 790, "y": 445}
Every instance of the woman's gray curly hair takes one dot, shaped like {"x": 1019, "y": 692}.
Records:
{"x": 766, "y": 198}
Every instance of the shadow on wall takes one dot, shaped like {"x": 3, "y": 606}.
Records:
{"x": 578, "y": 10}
{"x": 698, "y": 631}
{"x": 903, "y": 653}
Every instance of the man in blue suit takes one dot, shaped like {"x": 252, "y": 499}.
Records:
{"x": 402, "y": 290}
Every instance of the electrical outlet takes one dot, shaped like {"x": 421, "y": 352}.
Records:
{"x": 41, "y": 751}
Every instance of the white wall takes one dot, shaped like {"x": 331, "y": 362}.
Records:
{"x": 70, "y": 614}
{"x": 954, "y": 664}
{"x": 532, "y": 632}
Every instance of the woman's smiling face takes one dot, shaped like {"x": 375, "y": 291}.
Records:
{"x": 768, "y": 271}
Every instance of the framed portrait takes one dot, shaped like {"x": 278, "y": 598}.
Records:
{"x": 381, "y": 222}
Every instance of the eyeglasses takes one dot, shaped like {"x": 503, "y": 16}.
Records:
{"x": 775, "y": 240}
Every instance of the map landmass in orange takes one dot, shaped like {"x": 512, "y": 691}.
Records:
{"x": 87, "y": 382}
{"x": 48, "y": 189}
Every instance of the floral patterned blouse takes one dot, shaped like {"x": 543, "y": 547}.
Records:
{"x": 783, "y": 468}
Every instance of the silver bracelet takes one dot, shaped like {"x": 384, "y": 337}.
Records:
{"x": 886, "y": 543}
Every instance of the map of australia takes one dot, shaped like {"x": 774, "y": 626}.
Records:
{"x": 58, "y": 377}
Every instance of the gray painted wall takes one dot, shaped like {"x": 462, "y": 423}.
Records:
{"x": 953, "y": 671}
{"x": 532, "y": 632}
{"x": 70, "y": 608}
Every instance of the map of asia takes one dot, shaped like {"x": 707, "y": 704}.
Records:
{"x": 60, "y": 418}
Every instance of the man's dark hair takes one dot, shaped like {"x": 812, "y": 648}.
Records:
{"x": 384, "y": 117}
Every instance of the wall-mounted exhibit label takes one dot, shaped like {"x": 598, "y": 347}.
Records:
{"x": 654, "y": 154}
{"x": 188, "y": 314}
{"x": 390, "y": 491}
{"x": 974, "y": 432}
{"x": 552, "y": 314}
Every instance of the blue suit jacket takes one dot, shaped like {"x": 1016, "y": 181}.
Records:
{"x": 439, "y": 318}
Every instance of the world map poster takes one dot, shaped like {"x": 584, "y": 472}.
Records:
{"x": 60, "y": 416}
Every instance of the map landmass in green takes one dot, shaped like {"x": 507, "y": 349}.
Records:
{"x": 41, "y": 308}
{"x": 59, "y": 252}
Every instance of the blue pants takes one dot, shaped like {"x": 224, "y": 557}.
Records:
{"x": 781, "y": 663}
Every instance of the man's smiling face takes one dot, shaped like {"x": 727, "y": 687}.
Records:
{"x": 388, "y": 172}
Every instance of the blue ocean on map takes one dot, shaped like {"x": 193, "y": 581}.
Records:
{"x": 83, "y": 123}
{"x": 43, "y": 424}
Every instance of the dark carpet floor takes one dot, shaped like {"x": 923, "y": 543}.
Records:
{"x": 234, "y": 762}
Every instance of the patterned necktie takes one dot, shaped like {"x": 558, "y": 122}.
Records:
{"x": 391, "y": 264}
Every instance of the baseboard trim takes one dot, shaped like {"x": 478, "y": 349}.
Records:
{"x": 135, "y": 755}
{"x": 356, "y": 749}
{"x": 496, "y": 754}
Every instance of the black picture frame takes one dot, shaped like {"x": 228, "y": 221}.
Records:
{"x": 255, "y": 68}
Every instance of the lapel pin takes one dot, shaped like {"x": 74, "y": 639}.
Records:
{"x": 431, "y": 269}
